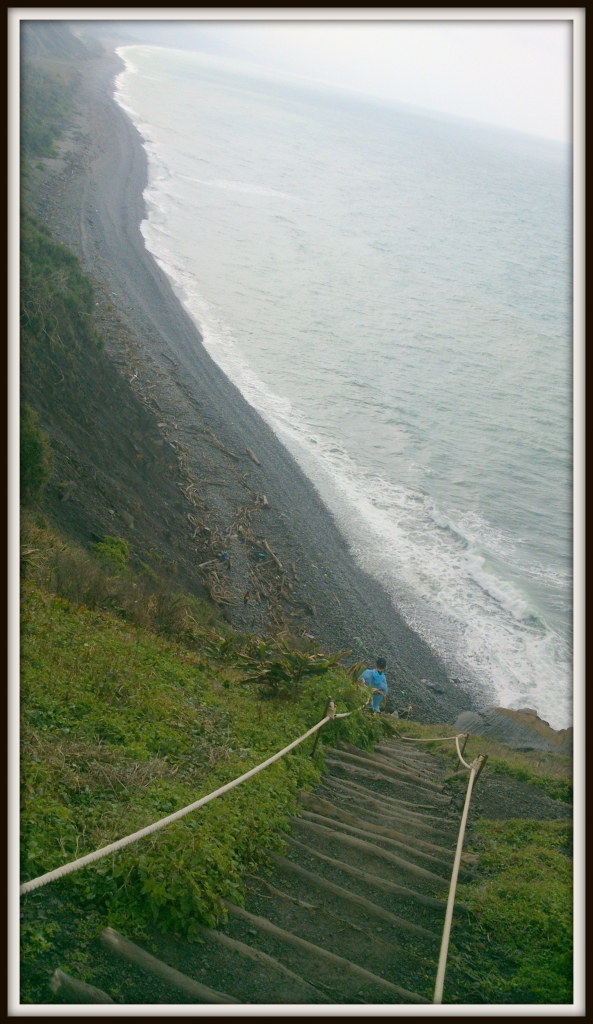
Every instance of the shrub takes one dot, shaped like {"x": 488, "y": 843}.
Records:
{"x": 115, "y": 552}
{"x": 523, "y": 904}
{"x": 35, "y": 456}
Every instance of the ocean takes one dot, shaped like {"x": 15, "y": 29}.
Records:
{"x": 392, "y": 291}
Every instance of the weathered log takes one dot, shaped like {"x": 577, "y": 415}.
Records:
{"x": 149, "y": 963}
{"x": 322, "y": 954}
{"x": 405, "y": 751}
{"x": 76, "y": 991}
{"x": 386, "y": 803}
{"x": 377, "y": 880}
{"x": 365, "y": 834}
{"x": 262, "y": 958}
{"x": 391, "y": 819}
{"x": 405, "y": 807}
{"x": 351, "y": 897}
{"x": 381, "y": 815}
{"x": 426, "y": 762}
{"x": 370, "y": 848}
{"x": 315, "y": 804}
{"x": 423, "y": 771}
{"x": 376, "y": 776}
{"x": 397, "y": 773}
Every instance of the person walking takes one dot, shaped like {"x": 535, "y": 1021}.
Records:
{"x": 375, "y": 679}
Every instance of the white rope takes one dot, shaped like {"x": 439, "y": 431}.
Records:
{"x": 468, "y": 766}
{"x": 74, "y": 865}
{"x": 432, "y": 739}
{"x": 440, "y": 979}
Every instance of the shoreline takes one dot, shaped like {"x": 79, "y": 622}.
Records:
{"x": 98, "y": 215}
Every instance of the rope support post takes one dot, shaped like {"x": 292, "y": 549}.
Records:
{"x": 328, "y": 713}
{"x": 475, "y": 768}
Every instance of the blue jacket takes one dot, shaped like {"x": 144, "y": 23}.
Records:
{"x": 376, "y": 679}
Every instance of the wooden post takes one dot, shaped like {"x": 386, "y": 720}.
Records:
{"x": 329, "y": 707}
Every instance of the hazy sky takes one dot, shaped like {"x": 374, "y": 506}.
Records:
{"x": 513, "y": 74}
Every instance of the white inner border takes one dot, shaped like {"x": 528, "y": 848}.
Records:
{"x": 577, "y": 17}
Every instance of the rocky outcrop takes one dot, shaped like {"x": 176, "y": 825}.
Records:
{"x": 522, "y": 729}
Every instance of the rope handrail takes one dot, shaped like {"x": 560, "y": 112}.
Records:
{"x": 432, "y": 739}
{"x": 474, "y": 769}
{"x": 104, "y": 851}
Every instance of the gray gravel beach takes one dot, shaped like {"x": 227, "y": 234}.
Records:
{"x": 94, "y": 204}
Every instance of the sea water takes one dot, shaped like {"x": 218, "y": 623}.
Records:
{"x": 391, "y": 290}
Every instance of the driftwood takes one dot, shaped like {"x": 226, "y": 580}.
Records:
{"x": 76, "y": 991}
{"x": 377, "y": 880}
{"x": 314, "y": 803}
{"x": 253, "y": 457}
{"x": 270, "y": 552}
{"x": 370, "y": 848}
{"x": 397, "y": 773}
{"x": 149, "y": 963}
{"x": 323, "y": 954}
{"x": 376, "y": 776}
{"x": 222, "y": 447}
{"x": 260, "y": 957}
{"x": 351, "y": 897}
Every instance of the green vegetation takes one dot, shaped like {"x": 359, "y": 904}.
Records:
{"x": 115, "y": 552}
{"x": 57, "y": 335}
{"x": 524, "y": 905}
{"x": 556, "y": 788}
{"x": 517, "y": 945}
{"x": 552, "y": 773}
{"x": 35, "y": 456}
{"x": 46, "y": 101}
{"x": 121, "y": 726}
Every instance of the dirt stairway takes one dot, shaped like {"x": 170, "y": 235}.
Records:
{"x": 352, "y": 912}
